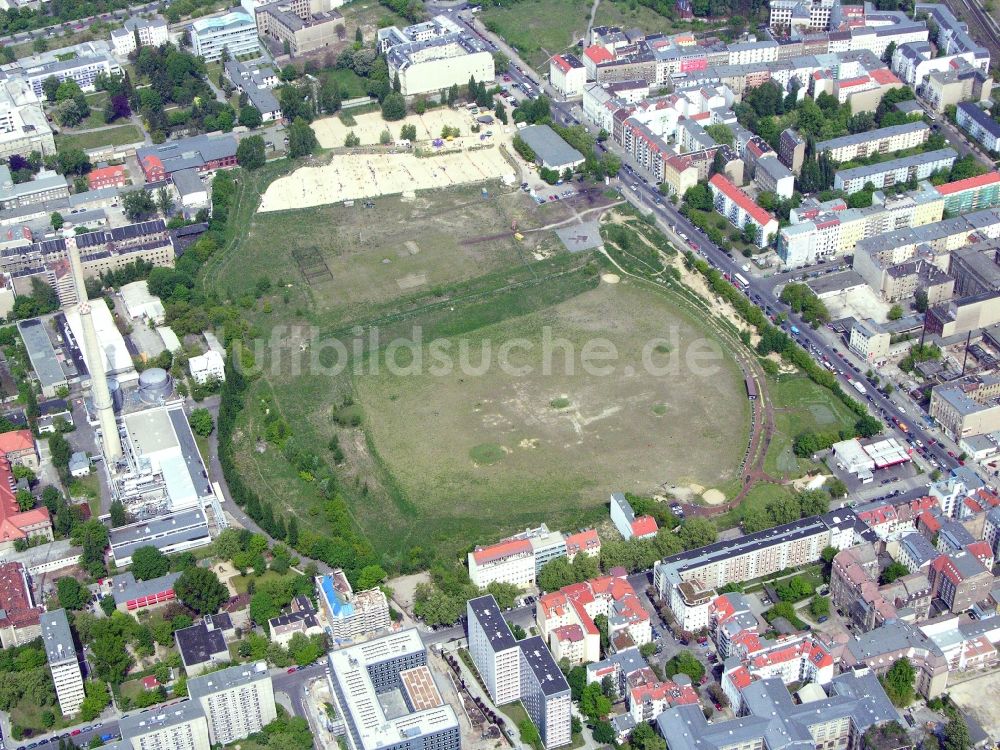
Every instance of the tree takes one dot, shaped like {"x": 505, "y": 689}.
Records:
{"x": 956, "y": 734}
{"x": 500, "y": 112}
{"x": 148, "y": 563}
{"x": 604, "y": 733}
{"x": 138, "y": 205}
{"x": 24, "y": 499}
{"x": 699, "y": 197}
{"x": 920, "y": 300}
{"x": 893, "y": 571}
{"x": 555, "y": 574}
{"x": 644, "y": 737}
{"x": 593, "y": 702}
{"x": 56, "y": 219}
{"x": 518, "y": 632}
{"x": 408, "y": 132}
{"x": 165, "y": 202}
{"x": 71, "y": 594}
{"x": 201, "y": 422}
{"x": 263, "y": 608}
{"x": 92, "y": 536}
{"x": 529, "y": 733}
{"x": 394, "y": 107}
{"x": 505, "y": 593}
{"x": 200, "y": 589}
{"x": 49, "y": 87}
{"x": 697, "y": 532}
{"x": 250, "y": 152}
{"x": 836, "y": 487}
{"x": 813, "y": 503}
{"x": 828, "y": 554}
{"x": 250, "y": 117}
{"x": 371, "y": 576}
{"x": 898, "y": 682}
{"x": 351, "y": 140}
{"x": 687, "y": 663}
{"x": 819, "y": 607}
{"x": 895, "y": 312}
{"x": 97, "y": 698}
{"x": 118, "y": 515}
{"x": 301, "y": 138}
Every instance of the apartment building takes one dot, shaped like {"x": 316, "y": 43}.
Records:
{"x": 774, "y": 177}
{"x": 494, "y": 650}
{"x": 585, "y": 542}
{"x": 237, "y": 701}
{"x": 23, "y": 125}
{"x": 961, "y": 82}
{"x": 959, "y": 580}
{"x": 741, "y": 210}
{"x": 970, "y": 406}
{"x": 138, "y": 32}
{"x": 870, "y": 341}
{"x": 368, "y": 678}
{"x": 20, "y": 619}
{"x": 565, "y": 618}
{"x": 181, "y": 726}
{"x": 888, "y": 173}
{"x": 629, "y": 525}
{"x": 348, "y": 613}
{"x": 203, "y": 153}
{"x": 792, "y": 150}
{"x": 971, "y": 194}
{"x": 45, "y": 186}
{"x": 567, "y": 75}
{"x": 63, "y": 663}
{"x": 835, "y": 717}
{"x": 975, "y": 270}
{"x": 751, "y": 556}
{"x": 979, "y": 125}
{"x": 234, "y": 31}
{"x": 812, "y": 15}
{"x": 545, "y": 693}
{"x": 880, "y": 648}
{"x": 647, "y": 696}
{"x": 303, "y": 26}
{"x": 431, "y": 56}
{"x": 882, "y": 141}
{"x": 82, "y": 63}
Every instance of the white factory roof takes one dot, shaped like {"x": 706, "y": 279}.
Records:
{"x": 139, "y": 303}
{"x": 169, "y": 338}
{"x": 117, "y": 359}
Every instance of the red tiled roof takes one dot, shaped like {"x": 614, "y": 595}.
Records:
{"x": 12, "y": 519}
{"x": 96, "y": 175}
{"x": 741, "y": 199}
{"x": 741, "y": 677}
{"x": 561, "y": 63}
{"x": 884, "y": 76}
{"x": 16, "y": 441}
{"x": 584, "y": 541}
{"x": 15, "y": 598}
{"x": 644, "y": 525}
{"x": 572, "y": 633}
{"x": 598, "y": 54}
{"x": 498, "y": 551}
{"x": 982, "y": 550}
{"x": 969, "y": 183}
{"x": 852, "y": 82}
{"x": 930, "y": 521}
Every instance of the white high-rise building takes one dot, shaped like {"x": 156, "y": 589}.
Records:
{"x": 178, "y": 727}
{"x": 494, "y": 650}
{"x": 65, "y": 667}
{"x": 237, "y": 701}
{"x": 139, "y": 32}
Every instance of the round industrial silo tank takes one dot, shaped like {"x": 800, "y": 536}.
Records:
{"x": 115, "y": 389}
{"x": 154, "y": 385}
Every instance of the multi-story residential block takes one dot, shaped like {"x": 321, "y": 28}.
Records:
{"x": 959, "y": 580}
{"x": 494, "y": 650}
{"x": 967, "y": 407}
{"x": 953, "y": 36}
{"x": 545, "y": 693}
{"x": 82, "y": 63}
{"x": 63, "y": 662}
{"x": 567, "y": 75}
{"x": 234, "y": 31}
{"x": 349, "y": 613}
{"x": 916, "y": 552}
{"x": 966, "y": 644}
{"x": 647, "y": 696}
{"x": 20, "y": 620}
{"x": 870, "y": 341}
{"x": 301, "y": 619}
{"x": 397, "y": 663}
{"x": 971, "y": 194}
{"x": 23, "y": 125}
{"x": 303, "y": 26}
{"x": 854, "y": 588}
{"x": 891, "y": 519}
{"x": 565, "y": 618}
{"x": 813, "y": 15}
{"x": 961, "y": 82}
{"x": 751, "y": 556}
{"x": 741, "y": 210}
{"x": 888, "y": 173}
{"x": 979, "y": 125}
{"x": 774, "y": 177}
{"x": 792, "y": 150}
{"x": 880, "y": 648}
{"x": 181, "y": 726}
{"x": 585, "y": 542}
{"x": 256, "y": 83}
{"x": 838, "y": 717}
{"x": 44, "y": 187}
{"x": 203, "y": 646}
{"x": 511, "y": 561}
{"x": 138, "y": 32}
{"x": 881, "y": 141}
{"x": 102, "y": 177}
{"x": 237, "y": 701}
{"x": 625, "y": 520}
{"x": 434, "y": 55}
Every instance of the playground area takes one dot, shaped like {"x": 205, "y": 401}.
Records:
{"x": 359, "y": 176}
{"x": 331, "y": 131}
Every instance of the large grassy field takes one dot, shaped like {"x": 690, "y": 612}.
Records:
{"x": 800, "y": 405}
{"x": 116, "y": 136}
{"x": 448, "y": 460}
{"x": 539, "y": 28}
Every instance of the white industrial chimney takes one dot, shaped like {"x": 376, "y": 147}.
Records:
{"x": 95, "y": 362}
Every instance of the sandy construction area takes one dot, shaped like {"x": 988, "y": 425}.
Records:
{"x": 331, "y": 132}
{"x": 357, "y": 176}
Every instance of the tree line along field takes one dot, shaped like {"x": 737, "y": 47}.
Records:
{"x": 426, "y": 461}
